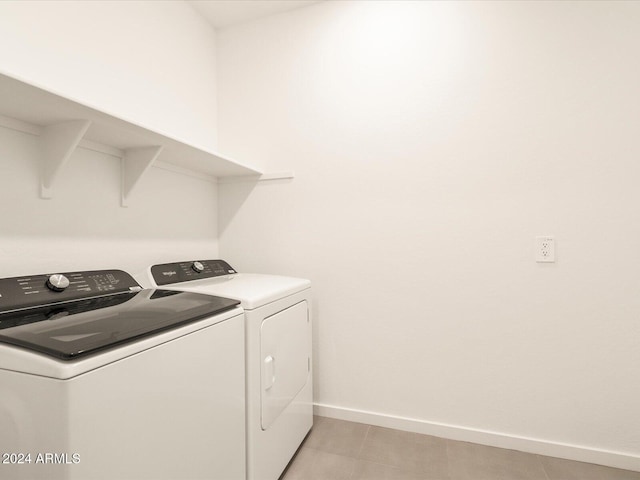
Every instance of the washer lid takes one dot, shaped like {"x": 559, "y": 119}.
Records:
{"x": 74, "y": 329}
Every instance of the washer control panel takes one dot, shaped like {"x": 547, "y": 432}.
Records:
{"x": 191, "y": 270}
{"x": 49, "y": 288}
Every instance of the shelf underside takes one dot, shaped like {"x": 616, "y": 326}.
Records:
{"x": 38, "y": 107}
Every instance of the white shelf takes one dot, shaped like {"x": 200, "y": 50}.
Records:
{"x": 63, "y": 124}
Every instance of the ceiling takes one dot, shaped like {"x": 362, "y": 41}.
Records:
{"x": 223, "y": 13}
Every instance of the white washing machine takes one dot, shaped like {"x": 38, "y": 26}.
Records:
{"x": 278, "y": 354}
{"x": 100, "y": 379}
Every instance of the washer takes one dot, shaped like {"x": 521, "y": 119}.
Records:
{"x": 278, "y": 354}
{"x": 101, "y": 379}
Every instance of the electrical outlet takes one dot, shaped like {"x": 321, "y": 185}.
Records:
{"x": 545, "y": 249}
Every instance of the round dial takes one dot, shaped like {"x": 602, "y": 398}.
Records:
{"x": 57, "y": 283}
{"x": 197, "y": 266}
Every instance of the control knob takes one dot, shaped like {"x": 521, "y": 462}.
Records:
{"x": 198, "y": 267}
{"x": 57, "y": 283}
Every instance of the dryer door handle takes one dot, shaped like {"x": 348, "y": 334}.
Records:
{"x": 268, "y": 372}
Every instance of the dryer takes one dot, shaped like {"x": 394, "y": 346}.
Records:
{"x": 277, "y": 312}
{"x": 100, "y": 379}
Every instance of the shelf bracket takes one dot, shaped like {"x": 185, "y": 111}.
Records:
{"x": 135, "y": 163}
{"x": 58, "y": 141}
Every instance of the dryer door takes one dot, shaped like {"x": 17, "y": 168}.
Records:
{"x": 285, "y": 347}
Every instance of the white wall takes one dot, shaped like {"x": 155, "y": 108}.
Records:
{"x": 149, "y": 62}
{"x": 432, "y": 142}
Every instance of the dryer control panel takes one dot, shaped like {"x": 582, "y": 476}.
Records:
{"x": 168, "y": 273}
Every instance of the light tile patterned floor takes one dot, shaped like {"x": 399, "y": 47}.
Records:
{"x": 339, "y": 450}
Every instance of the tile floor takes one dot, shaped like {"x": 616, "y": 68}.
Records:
{"x": 339, "y": 450}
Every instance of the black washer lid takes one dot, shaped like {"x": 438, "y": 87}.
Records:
{"x": 75, "y": 329}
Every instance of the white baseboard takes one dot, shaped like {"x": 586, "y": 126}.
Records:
{"x": 494, "y": 439}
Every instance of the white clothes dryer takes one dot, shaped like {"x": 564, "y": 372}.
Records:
{"x": 279, "y": 395}
{"x": 100, "y": 379}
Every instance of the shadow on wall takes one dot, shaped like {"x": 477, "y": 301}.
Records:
{"x": 232, "y": 195}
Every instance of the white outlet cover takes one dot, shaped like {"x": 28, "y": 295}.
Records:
{"x": 545, "y": 249}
